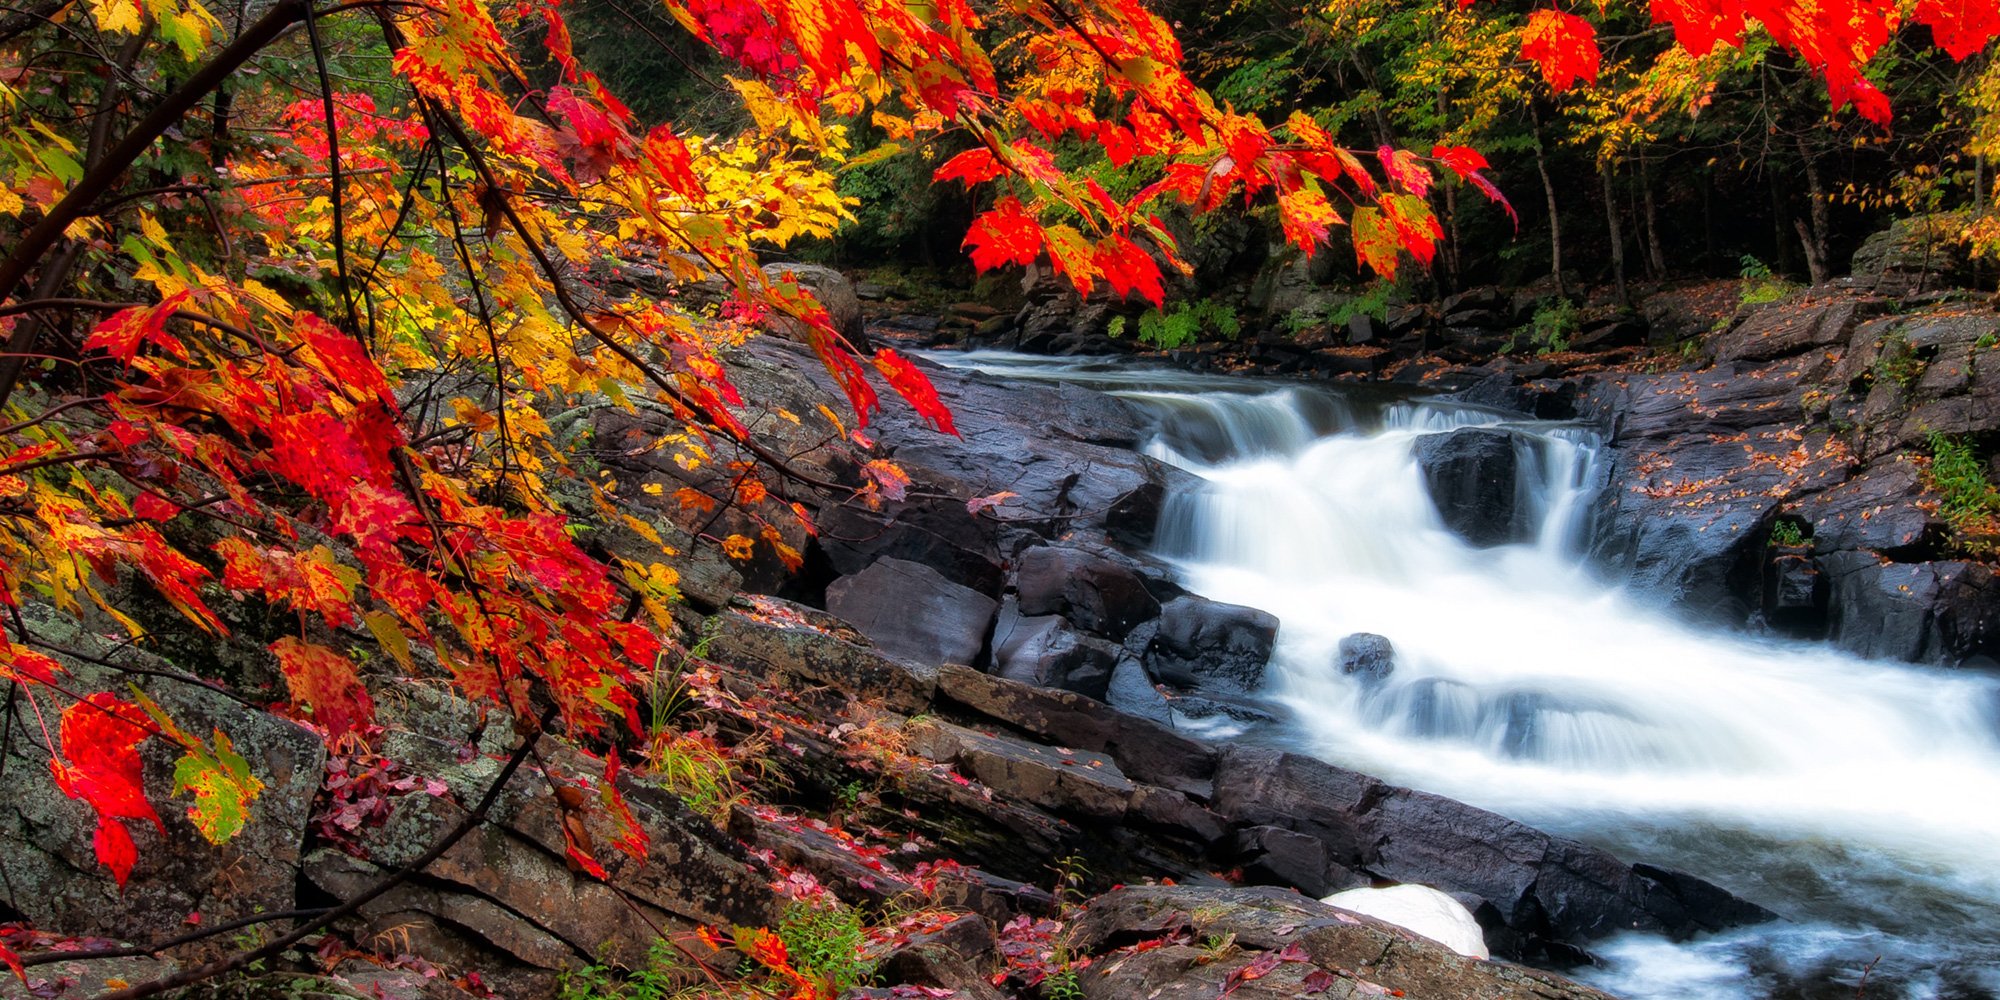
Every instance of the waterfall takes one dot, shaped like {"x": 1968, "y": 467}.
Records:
{"x": 1860, "y": 798}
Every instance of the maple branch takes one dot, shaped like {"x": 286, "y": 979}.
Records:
{"x": 36, "y": 242}
{"x": 333, "y": 168}
{"x": 33, "y": 959}
{"x": 32, "y": 305}
{"x": 276, "y": 947}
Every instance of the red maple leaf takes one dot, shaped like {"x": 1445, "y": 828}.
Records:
{"x": 125, "y": 331}
{"x": 100, "y": 765}
{"x": 913, "y": 386}
{"x": 1960, "y": 27}
{"x": 324, "y": 680}
{"x": 1563, "y": 46}
{"x": 1005, "y": 235}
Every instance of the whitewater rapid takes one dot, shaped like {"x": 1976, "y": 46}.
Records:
{"x": 1860, "y": 799}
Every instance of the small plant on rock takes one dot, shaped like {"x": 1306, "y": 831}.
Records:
{"x": 1556, "y": 320}
{"x": 1971, "y": 502}
{"x": 1760, "y": 284}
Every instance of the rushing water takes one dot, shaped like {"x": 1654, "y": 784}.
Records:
{"x": 1860, "y": 799}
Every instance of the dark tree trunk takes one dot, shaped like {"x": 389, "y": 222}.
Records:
{"x": 1656, "y": 254}
{"x": 1555, "y": 218}
{"x": 1813, "y": 235}
{"x": 1616, "y": 226}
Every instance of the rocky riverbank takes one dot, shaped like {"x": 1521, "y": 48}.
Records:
{"x": 978, "y": 732}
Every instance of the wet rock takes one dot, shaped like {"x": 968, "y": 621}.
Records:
{"x": 1338, "y": 954}
{"x": 1544, "y": 887}
{"x": 1875, "y": 510}
{"x": 1097, "y": 593}
{"x": 1795, "y": 592}
{"x": 1945, "y": 611}
{"x": 1369, "y": 655}
{"x": 1132, "y": 692}
{"x": 910, "y": 610}
{"x": 1134, "y": 517}
{"x": 1273, "y": 855}
{"x": 1145, "y": 749}
{"x": 1470, "y": 474}
{"x": 962, "y": 549}
{"x": 1046, "y": 651}
{"x": 1206, "y": 644}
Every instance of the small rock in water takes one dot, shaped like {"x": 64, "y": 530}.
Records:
{"x": 1421, "y": 910}
{"x": 1365, "y": 653}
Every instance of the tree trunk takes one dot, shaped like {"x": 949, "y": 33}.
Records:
{"x": 1616, "y": 225}
{"x": 1555, "y": 220}
{"x": 1656, "y": 255}
{"x": 1814, "y": 237}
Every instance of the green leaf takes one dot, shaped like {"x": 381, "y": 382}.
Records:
{"x": 223, "y": 789}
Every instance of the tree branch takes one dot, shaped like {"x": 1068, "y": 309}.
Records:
{"x": 36, "y": 242}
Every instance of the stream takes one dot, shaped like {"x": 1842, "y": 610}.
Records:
{"x": 1859, "y": 799}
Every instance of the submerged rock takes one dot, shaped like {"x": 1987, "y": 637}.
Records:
{"x": 1369, "y": 655}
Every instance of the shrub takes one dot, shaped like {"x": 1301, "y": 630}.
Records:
{"x": 1186, "y": 324}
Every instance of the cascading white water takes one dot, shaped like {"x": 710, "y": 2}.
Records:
{"x": 1861, "y": 799}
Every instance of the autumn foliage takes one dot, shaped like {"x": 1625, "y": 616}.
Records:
{"x": 298, "y": 346}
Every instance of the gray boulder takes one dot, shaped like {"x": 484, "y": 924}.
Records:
{"x": 910, "y": 610}
{"x": 1210, "y": 645}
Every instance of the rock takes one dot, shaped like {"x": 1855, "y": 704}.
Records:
{"x": 794, "y": 642}
{"x": 1795, "y": 592}
{"x": 1791, "y": 326}
{"x": 1273, "y": 855}
{"x": 954, "y": 957}
{"x": 1060, "y": 778}
{"x": 52, "y": 877}
{"x": 505, "y": 886}
{"x": 1132, "y": 692}
{"x": 1372, "y": 656}
{"x": 1689, "y": 310}
{"x": 1364, "y": 328}
{"x": 1943, "y": 611}
{"x": 1097, "y": 593}
{"x": 1203, "y": 708}
{"x": 1874, "y": 510}
{"x": 1134, "y": 517}
{"x": 910, "y": 610}
{"x": 1047, "y": 651}
{"x": 1335, "y": 954}
{"x": 1470, "y": 473}
{"x": 833, "y": 290}
{"x": 1420, "y": 910}
{"x": 1544, "y": 887}
{"x": 1914, "y": 254}
{"x": 1208, "y": 644}
{"x": 962, "y": 549}
{"x": 1145, "y": 749}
